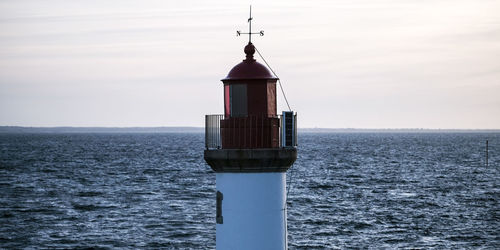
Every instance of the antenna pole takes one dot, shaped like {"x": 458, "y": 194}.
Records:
{"x": 250, "y": 24}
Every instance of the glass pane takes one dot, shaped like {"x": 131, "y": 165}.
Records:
{"x": 238, "y": 100}
{"x": 227, "y": 104}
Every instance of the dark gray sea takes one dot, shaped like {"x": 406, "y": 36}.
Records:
{"x": 347, "y": 190}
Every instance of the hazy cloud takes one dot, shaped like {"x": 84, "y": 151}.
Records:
{"x": 363, "y": 64}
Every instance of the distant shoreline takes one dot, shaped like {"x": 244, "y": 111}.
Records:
{"x": 21, "y": 129}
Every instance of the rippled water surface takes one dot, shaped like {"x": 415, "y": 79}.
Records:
{"x": 361, "y": 190}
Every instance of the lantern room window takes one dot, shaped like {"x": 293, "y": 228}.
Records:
{"x": 235, "y": 103}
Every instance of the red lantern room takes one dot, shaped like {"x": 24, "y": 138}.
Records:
{"x": 250, "y": 119}
{"x": 252, "y": 83}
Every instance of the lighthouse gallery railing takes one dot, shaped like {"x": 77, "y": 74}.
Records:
{"x": 248, "y": 132}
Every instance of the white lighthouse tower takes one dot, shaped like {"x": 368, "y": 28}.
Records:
{"x": 250, "y": 147}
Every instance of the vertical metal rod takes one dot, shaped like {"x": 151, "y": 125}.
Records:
{"x": 212, "y": 135}
{"x": 218, "y": 130}
{"x": 214, "y": 125}
{"x": 215, "y": 133}
{"x": 281, "y": 131}
{"x": 250, "y": 127}
{"x": 211, "y": 131}
{"x": 206, "y": 131}
{"x": 486, "y": 153}
{"x": 256, "y": 131}
{"x": 250, "y": 29}
{"x": 211, "y": 122}
{"x": 219, "y": 135}
{"x": 295, "y": 130}
{"x": 262, "y": 132}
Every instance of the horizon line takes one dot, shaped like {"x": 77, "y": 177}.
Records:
{"x": 3, "y": 127}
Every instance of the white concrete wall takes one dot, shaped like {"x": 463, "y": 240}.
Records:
{"x": 252, "y": 210}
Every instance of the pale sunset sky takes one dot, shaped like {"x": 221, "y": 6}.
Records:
{"x": 343, "y": 64}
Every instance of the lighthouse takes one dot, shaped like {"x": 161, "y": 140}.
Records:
{"x": 250, "y": 148}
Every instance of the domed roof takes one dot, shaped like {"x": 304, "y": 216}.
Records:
{"x": 249, "y": 68}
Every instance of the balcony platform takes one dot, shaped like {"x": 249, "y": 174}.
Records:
{"x": 250, "y": 160}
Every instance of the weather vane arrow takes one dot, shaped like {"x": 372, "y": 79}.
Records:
{"x": 261, "y": 33}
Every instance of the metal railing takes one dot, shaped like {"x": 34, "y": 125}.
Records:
{"x": 213, "y": 139}
{"x": 246, "y": 132}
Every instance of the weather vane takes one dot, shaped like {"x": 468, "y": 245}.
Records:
{"x": 261, "y": 33}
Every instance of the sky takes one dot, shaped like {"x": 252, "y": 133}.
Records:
{"x": 343, "y": 64}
